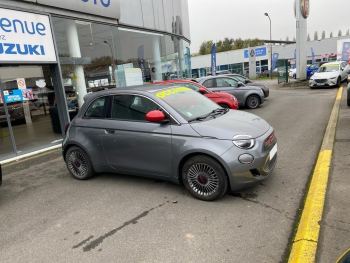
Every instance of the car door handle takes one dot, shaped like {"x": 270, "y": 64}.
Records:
{"x": 109, "y": 131}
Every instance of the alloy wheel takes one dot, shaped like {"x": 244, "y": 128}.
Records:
{"x": 203, "y": 179}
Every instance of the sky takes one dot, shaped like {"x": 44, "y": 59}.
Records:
{"x": 217, "y": 19}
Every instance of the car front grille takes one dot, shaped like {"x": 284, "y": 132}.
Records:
{"x": 321, "y": 81}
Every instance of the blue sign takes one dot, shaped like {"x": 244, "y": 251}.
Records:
{"x": 14, "y": 95}
{"x": 213, "y": 60}
{"x": 275, "y": 57}
{"x": 259, "y": 52}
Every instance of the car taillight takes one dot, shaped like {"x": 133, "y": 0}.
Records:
{"x": 269, "y": 141}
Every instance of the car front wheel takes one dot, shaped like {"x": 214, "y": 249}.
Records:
{"x": 78, "y": 163}
{"x": 339, "y": 82}
{"x": 253, "y": 102}
{"x": 204, "y": 178}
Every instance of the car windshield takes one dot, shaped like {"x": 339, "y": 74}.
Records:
{"x": 189, "y": 104}
{"x": 329, "y": 68}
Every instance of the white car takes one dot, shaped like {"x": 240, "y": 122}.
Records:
{"x": 330, "y": 74}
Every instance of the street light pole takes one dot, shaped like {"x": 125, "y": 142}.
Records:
{"x": 113, "y": 59}
{"x": 268, "y": 16}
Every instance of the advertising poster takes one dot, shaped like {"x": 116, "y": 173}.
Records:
{"x": 14, "y": 95}
{"x": 27, "y": 94}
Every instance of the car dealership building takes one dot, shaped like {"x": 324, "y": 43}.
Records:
{"x": 237, "y": 61}
{"x": 52, "y": 53}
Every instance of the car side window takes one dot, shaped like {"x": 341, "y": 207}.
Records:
{"x": 97, "y": 109}
{"x": 191, "y": 86}
{"x": 210, "y": 83}
{"x": 131, "y": 107}
{"x": 226, "y": 82}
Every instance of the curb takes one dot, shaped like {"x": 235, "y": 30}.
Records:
{"x": 305, "y": 241}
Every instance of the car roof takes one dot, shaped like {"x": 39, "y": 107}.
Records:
{"x": 333, "y": 63}
{"x": 146, "y": 88}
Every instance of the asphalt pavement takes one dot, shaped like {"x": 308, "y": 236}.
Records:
{"x": 46, "y": 216}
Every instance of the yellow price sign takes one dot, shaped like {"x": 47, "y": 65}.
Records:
{"x": 172, "y": 91}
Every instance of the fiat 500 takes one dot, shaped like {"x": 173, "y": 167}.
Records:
{"x": 170, "y": 133}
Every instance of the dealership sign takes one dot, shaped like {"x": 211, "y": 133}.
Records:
{"x": 258, "y": 52}
{"x": 106, "y": 8}
{"x": 25, "y": 37}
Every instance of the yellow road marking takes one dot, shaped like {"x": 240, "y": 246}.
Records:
{"x": 305, "y": 242}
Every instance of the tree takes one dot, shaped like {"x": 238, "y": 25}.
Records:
{"x": 331, "y": 35}
{"x": 323, "y": 34}
{"x": 340, "y": 33}
{"x": 308, "y": 37}
{"x": 316, "y": 35}
{"x": 205, "y": 47}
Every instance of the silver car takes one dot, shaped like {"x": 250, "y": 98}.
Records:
{"x": 170, "y": 133}
{"x": 248, "y": 96}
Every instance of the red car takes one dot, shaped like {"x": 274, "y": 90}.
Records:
{"x": 224, "y": 99}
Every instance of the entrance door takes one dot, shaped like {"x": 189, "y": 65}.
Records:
{"x": 30, "y": 98}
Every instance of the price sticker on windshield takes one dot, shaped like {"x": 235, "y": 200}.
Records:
{"x": 166, "y": 93}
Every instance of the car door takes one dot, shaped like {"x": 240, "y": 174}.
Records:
{"x": 230, "y": 85}
{"x": 131, "y": 144}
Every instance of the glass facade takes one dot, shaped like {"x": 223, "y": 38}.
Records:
{"x": 94, "y": 55}
{"x": 97, "y": 56}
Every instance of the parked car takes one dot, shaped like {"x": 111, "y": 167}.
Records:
{"x": 348, "y": 94}
{"x": 248, "y": 82}
{"x": 310, "y": 70}
{"x": 330, "y": 74}
{"x": 248, "y": 96}
{"x": 170, "y": 133}
{"x": 224, "y": 99}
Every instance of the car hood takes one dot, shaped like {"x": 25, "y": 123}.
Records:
{"x": 251, "y": 87}
{"x": 219, "y": 95}
{"x": 325, "y": 75}
{"x": 233, "y": 123}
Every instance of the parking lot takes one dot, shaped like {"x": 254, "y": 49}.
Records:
{"x": 50, "y": 217}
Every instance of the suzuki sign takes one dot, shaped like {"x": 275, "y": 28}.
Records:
{"x": 105, "y": 8}
{"x": 25, "y": 37}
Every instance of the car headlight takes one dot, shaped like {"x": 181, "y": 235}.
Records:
{"x": 244, "y": 141}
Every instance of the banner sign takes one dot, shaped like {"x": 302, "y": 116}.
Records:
{"x": 25, "y": 37}
{"x": 105, "y": 8}
{"x": 259, "y": 52}
{"x": 313, "y": 56}
{"x": 275, "y": 57}
{"x": 343, "y": 49}
{"x": 213, "y": 60}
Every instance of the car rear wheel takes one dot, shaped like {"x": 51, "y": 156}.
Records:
{"x": 204, "y": 178}
{"x": 78, "y": 163}
{"x": 253, "y": 102}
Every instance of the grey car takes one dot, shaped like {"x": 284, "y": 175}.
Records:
{"x": 170, "y": 133}
{"x": 250, "y": 83}
{"x": 247, "y": 96}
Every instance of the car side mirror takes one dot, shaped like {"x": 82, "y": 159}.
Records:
{"x": 202, "y": 91}
{"x": 156, "y": 116}
{"x": 240, "y": 84}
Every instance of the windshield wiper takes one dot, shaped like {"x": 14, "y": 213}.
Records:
{"x": 213, "y": 114}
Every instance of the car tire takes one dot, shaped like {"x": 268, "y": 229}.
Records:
{"x": 348, "y": 97}
{"x": 252, "y": 102}
{"x": 204, "y": 178}
{"x": 294, "y": 76}
{"x": 78, "y": 163}
{"x": 339, "y": 82}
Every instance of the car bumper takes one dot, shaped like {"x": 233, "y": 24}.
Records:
{"x": 328, "y": 83}
{"x": 245, "y": 175}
